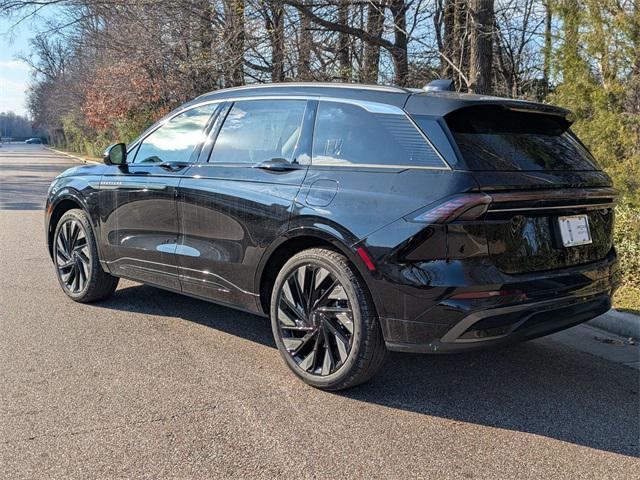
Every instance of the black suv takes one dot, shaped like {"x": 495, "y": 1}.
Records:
{"x": 359, "y": 218}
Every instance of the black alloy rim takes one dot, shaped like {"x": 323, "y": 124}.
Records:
{"x": 315, "y": 320}
{"x": 73, "y": 257}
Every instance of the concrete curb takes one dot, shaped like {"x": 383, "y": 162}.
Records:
{"x": 75, "y": 157}
{"x": 620, "y": 323}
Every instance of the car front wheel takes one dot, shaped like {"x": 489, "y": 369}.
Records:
{"x": 76, "y": 260}
{"x": 324, "y": 321}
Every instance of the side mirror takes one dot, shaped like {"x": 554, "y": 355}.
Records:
{"x": 116, "y": 154}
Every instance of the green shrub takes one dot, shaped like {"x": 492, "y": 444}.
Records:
{"x": 627, "y": 241}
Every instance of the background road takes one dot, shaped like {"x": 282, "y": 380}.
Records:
{"x": 153, "y": 384}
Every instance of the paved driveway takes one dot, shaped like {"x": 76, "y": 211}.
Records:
{"x": 153, "y": 384}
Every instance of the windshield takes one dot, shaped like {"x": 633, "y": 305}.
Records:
{"x": 495, "y": 138}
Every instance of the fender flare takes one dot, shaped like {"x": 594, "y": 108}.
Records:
{"x": 70, "y": 193}
{"x": 342, "y": 240}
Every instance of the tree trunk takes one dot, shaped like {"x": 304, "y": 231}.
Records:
{"x": 277, "y": 41}
{"x": 449, "y": 42}
{"x": 460, "y": 52}
{"x": 203, "y": 72}
{"x": 481, "y": 49}
{"x": 399, "y": 52}
{"x": 304, "y": 48}
{"x": 375, "y": 26}
{"x": 546, "y": 68}
{"x": 234, "y": 14}
{"x": 570, "y": 53}
{"x": 344, "y": 58}
{"x": 634, "y": 90}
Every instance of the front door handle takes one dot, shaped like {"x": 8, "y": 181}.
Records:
{"x": 174, "y": 166}
{"x": 277, "y": 165}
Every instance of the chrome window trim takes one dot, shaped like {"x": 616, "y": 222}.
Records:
{"x": 369, "y": 106}
{"x": 369, "y": 166}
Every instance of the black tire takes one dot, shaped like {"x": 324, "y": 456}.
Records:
{"x": 76, "y": 260}
{"x": 294, "y": 321}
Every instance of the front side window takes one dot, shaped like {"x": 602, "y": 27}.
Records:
{"x": 259, "y": 130}
{"x": 176, "y": 139}
{"x": 349, "y": 135}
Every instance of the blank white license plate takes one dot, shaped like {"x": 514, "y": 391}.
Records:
{"x": 574, "y": 230}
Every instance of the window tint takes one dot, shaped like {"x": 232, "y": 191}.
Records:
{"x": 259, "y": 130}
{"x": 347, "y": 134}
{"x": 495, "y": 138}
{"x": 176, "y": 139}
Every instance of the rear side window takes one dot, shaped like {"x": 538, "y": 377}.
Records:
{"x": 349, "y": 135}
{"x": 259, "y": 130}
{"x": 496, "y": 138}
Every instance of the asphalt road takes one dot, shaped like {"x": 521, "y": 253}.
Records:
{"x": 152, "y": 384}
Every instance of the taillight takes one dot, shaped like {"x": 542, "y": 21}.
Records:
{"x": 465, "y": 206}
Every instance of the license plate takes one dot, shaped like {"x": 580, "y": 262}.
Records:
{"x": 574, "y": 230}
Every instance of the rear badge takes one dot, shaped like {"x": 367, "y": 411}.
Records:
{"x": 574, "y": 230}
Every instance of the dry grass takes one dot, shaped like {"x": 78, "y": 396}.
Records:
{"x": 627, "y": 299}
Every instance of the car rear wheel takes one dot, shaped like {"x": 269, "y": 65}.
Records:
{"x": 324, "y": 321}
{"x": 75, "y": 256}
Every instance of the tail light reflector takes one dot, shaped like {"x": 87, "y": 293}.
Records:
{"x": 366, "y": 258}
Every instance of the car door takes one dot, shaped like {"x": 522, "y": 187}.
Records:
{"x": 139, "y": 217}
{"x": 233, "y": 206}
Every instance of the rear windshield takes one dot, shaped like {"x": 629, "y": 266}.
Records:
{"x": 496, "y": 138}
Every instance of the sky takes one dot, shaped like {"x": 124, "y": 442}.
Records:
{"x": 14, "y": 73}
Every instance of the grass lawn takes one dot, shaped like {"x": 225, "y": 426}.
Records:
{"x": 627, "y": 299}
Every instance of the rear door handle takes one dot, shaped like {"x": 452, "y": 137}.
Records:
{"x": 277, "y": 165}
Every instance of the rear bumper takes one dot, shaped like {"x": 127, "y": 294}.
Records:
{"x": 499, "y": 326}
{"x": 437, "y": 320}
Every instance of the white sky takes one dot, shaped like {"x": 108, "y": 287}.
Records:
{"x": 14, "y": 74}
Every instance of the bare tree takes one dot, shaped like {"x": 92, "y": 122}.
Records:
{"x": 481, "y": 49}
{"x": 375, "y": 26}
{"x": 546, "y": 68}
{"x": 234, "y": 41}
{"x": 305, "y": 41}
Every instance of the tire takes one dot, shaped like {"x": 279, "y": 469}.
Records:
{"x": 324, "y": 321}
{"x": 75, "y": 256}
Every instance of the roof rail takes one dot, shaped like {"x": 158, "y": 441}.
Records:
{"x": 379, "y": 88}
{"x": 441, "y": 85}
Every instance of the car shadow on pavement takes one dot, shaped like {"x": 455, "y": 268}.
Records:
{"x": 154, "y": 301}
{"x": 539, "y": 387}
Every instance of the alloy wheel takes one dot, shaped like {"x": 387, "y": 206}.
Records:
{"x": 315, "y": 320}
{"x": 73, "y": 257}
